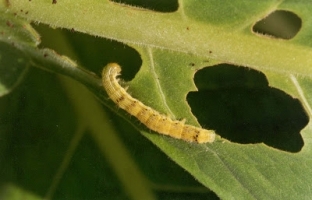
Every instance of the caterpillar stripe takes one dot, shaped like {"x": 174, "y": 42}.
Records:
{"x": 149, "y": 117}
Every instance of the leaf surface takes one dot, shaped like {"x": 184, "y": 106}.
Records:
{"x": 173, "y": 47}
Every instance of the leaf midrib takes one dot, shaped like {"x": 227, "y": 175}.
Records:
{"x": 170, "y": 31}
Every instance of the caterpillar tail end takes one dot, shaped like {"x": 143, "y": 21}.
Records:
{"x": 206, "y": 136}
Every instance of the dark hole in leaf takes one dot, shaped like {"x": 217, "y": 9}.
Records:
{"x": 159, "y": 5}
{"x": 238, "y": 103}
{"x": 279, "y": 24}
{"x": 87, "y": 48}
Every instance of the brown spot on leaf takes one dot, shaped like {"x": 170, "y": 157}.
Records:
{"x": 9, "y": 24}
{"x": 7, "y": 3}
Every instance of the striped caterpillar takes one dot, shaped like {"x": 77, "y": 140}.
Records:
{"x": 151, "y": 118}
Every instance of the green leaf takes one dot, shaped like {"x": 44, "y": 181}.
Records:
{"x": 13, "y": 64}
{"x": 265, "y": 149}
{"x": 13, "y": 192}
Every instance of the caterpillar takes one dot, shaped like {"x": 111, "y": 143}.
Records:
{"x": 149, "y": 117}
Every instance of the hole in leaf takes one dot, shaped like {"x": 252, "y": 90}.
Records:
{"x": 238, "y": 103}
{"x": 279, "y": 24}
{"x": 93, "y": 52}
{"x": 159, "y": 5}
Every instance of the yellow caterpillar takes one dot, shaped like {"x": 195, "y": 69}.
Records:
{"x": 148, "y": 116}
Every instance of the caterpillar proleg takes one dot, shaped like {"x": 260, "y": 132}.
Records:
{"x": 151, "y": 118}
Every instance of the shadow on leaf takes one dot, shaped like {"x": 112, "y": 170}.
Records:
{"x": 238, "y": 103}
